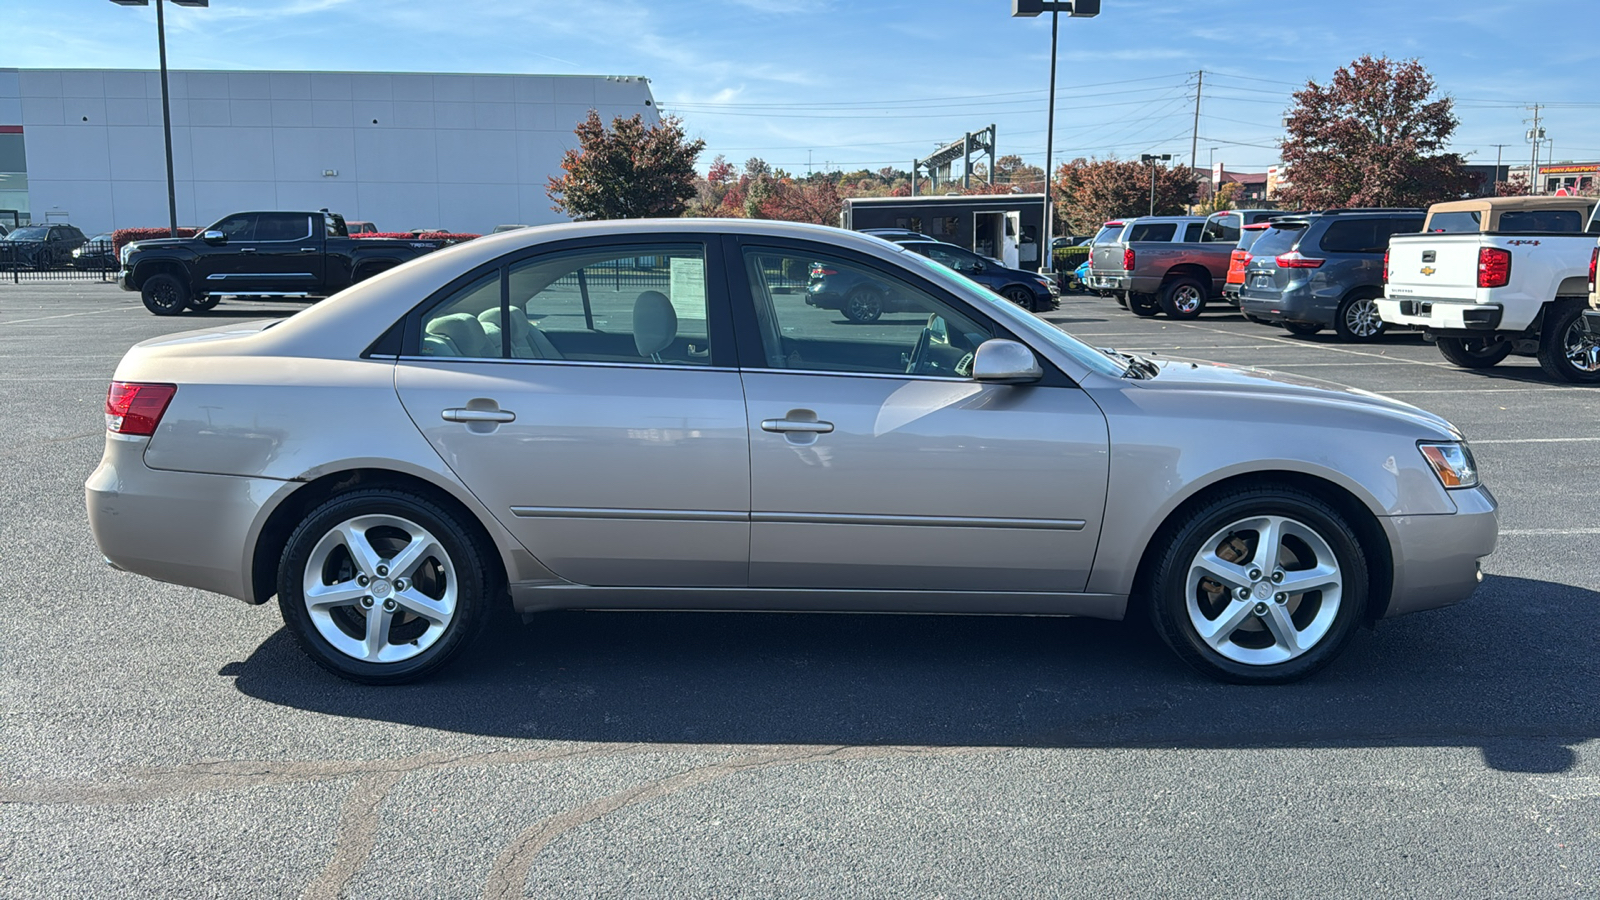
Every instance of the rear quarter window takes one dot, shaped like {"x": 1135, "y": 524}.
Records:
{"x": 1544, "y": 221}
{"x": 1455, "y": 222}
{"x": 1151, "y": 231}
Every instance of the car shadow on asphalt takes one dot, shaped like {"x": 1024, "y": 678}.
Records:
{"x": 1510, "y": 672}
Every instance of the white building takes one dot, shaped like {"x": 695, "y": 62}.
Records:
{"x": 460, "y": 152}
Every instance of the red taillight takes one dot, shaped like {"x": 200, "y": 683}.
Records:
{"x": 1294, "y": 260}
{"x": 1386, "y": 265}
{"x": 1127, "y": 259}
{"x": 817, "y": 270}
{"x": 1594, "y": 261}
{"x": 1494, "y": 267}
{"x": 133, "y": 408}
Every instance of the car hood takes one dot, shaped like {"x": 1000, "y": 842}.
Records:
{"x": 1181, "y": 374}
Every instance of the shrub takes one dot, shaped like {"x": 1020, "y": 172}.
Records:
{"x": 124, "y": 236}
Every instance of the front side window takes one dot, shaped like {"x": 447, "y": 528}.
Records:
{"x": 615, "y": 304}
{"x": 954, "y": 257}
{"x": 237, "y": 228}
{"x": 853, "y": 317}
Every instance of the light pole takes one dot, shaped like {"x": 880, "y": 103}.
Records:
{"x": 1079, "y": 9}
{"x": 1151, "y": 159}
{"x": 166, "y": 106}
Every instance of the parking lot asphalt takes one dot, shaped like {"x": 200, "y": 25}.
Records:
{"x": 159, "y": 741}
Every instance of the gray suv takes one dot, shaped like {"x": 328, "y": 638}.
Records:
{"x": 1311, "y": 271}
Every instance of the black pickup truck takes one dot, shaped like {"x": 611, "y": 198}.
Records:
{"x": 258, "y": 254}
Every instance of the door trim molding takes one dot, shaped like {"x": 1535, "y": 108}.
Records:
{"x": 792, "y": 518}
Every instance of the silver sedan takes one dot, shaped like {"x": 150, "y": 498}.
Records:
{"x": 662, "y": 414}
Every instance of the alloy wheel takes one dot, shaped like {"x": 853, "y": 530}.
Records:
{"x": 1361, "y": 318}
{"x": 380, "y": 588}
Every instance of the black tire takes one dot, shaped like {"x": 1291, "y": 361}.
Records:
{"x": 205, "y": 302}
{"x": 1302, "y": 329}
{"x": 1474, "y": 352}
{"x": 1183, "y": 298}
{"x": 1258, "y": 320}
{"x": 1567, "y": 352}
{"x": 1120, "y": 297}
{"x": 165, "y": 294}
{"x": 1331, "y": 617}
{"x": 1357, "y": 319}
{"x": 1022, "y": 297}
{"x": 464, "y": 566}
{"x": 1143, "y": 305}
{"x": 863, "y": 305}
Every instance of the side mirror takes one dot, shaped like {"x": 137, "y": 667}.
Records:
{"x": 214, "y": 237}
{"x": 1000, "y": 361}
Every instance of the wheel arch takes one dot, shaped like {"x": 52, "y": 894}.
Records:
{"x": 151, "y": 268}
{"x": 1190, "y": 270}
{"x": 1360, "y": 517}
{"x": 1372, "y": 290}
{"x": 292, "y": 509}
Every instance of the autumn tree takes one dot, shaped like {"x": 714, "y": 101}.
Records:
{"x": 1012, "y": 170}
{"x": 1089, "y": 192}
{"x": 1515, "y": 186}
{"x": 1374, "y": 135}
{"x": 629, "y": 171}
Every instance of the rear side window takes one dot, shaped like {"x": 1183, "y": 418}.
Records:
{"x": 1544, "y": 221}
{"x": 1455, "y": 223}
{"x": 1277, "y": 240}
{"x": 1352, "y": 236}
{"x": 1191, "y": 232}
{"x": 1151, "y": 231}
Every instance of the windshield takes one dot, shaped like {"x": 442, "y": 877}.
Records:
{"x": 1082, "y": 353}
{"x": 26, "y": 234}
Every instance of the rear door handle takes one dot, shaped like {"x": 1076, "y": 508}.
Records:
{"x": 308, "y": 249}
{"x": 790, "y": 425}
{"x": 459, "y": 414}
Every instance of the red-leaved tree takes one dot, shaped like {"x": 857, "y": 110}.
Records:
{"x": 1374, "y": 135}
{"x": 627, "y": 172}
{"x": 1090, "y": 191}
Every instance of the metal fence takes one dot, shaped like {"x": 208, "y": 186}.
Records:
{"x": 27, "y": 261}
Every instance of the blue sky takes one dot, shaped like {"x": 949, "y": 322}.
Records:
{"x": 859, "y": 83}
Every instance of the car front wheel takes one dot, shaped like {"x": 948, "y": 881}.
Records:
{"x": 1021, "y": 297}
{"x": 164, "y": 294}
{"x": 863, "y": 305}
{"x": 382, "y": 586}
{"x": 1259, "y": 586}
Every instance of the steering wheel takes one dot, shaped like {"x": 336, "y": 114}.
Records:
{"x": 919, "y": 353}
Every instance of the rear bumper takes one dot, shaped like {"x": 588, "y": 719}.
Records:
{"x": 180, "y": 527}
{"x": 1441, "y": 315}
{"x": 1437, "y": 557}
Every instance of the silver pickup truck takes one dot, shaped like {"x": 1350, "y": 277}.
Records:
{"x": 1171, "y": 264}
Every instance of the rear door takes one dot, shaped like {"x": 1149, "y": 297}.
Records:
{"x": 587, "y": 393}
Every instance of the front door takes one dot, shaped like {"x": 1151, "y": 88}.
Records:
{"x": 267, "y": 253}
{"x": 588, "y": 397}
{"x": 877, "y": 463}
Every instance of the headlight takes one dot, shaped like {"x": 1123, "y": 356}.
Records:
{"x": 1453, "y": 464}
{"x": 123, "y": 256}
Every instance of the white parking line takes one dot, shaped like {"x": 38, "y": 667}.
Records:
{"x": 1325, "y": 347}
{"x": 1514, "y": 390}
{"x": 1523, "y": 532}
{"x": 71, "y": 315}
{"x": 1560, "y": 440}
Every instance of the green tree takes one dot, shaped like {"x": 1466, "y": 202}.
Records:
{"x": 627, "y": 172}
{"x": 1374, "y": 135}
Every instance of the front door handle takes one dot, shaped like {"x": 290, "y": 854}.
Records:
{"x": 790, "y": 425}
{"x": 308, "y": 249}
{"x": 459, "y": 414}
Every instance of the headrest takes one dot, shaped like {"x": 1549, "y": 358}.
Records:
{"x": 490, "y": 319}
{"x": 464, "y": 331}
{"x": 655, "y": 323}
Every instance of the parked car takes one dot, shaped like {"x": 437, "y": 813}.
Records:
{"x": 709, "y": 441}
{"x": 1239, "y": 259}
{"x": 503, "y": 228}
{"x": 1501, "y": 275}
{"x": 356, "y": 228}
{"x": 1307, "y": 272}
{"x": 1029, "y": 290}
{"x": 1113, "y": 264}
{"x": 40, "y": 246}
{"x": 896, "y": 235}
{"x": 258, "y": 254}
{"x": 97, "y": 253}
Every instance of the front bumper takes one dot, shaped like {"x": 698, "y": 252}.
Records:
{"x": 125, "y": 280}
{"x": 1436, "y": 557}
{"x": 180, "y": 527}
{"x": 1440, "y": 315}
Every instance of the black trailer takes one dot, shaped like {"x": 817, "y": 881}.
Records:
{"x": 1005, "y": 227}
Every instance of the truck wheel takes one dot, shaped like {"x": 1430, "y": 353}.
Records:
{"x": 1302, "y": 329}
{"x": 1567, "y": 351}
{"x": 1143, "y": 305}
{"x": 1474, "y": 352}
{"x": 1357, "y": 318}
{"x": 205, "y": 302}
{"x": 164, "y": 294}
{"x": 1183, "y": 298}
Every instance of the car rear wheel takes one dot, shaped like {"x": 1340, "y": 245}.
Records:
{"x": 206, "y": 302}
{"x": 1567, "y": 351}
{"x": 1183, "y": 298}
{"x": 164, "y": 294}
{"x": 382, "y": 586}
{"x": 863, "y": 305}
{"x": 1302, "y": 329}
{"x": 1143, "y": 305}
{"x": 1474, "y": 352}
{"x": 1259, "y": 586}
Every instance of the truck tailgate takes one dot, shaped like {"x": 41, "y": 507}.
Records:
{"x": 1106, "y": 258}
{"x": 1442, "y": 266}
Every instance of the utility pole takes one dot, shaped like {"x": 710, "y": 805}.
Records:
{"x": 1194, "y": 139}
{"x": 1499, "y": 150}
{"x": 1535, "y": 135}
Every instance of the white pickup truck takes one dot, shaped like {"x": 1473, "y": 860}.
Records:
{"x": 1500, "y": 275}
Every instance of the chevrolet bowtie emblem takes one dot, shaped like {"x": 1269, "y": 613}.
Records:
{"x": 1428, "y": 270}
